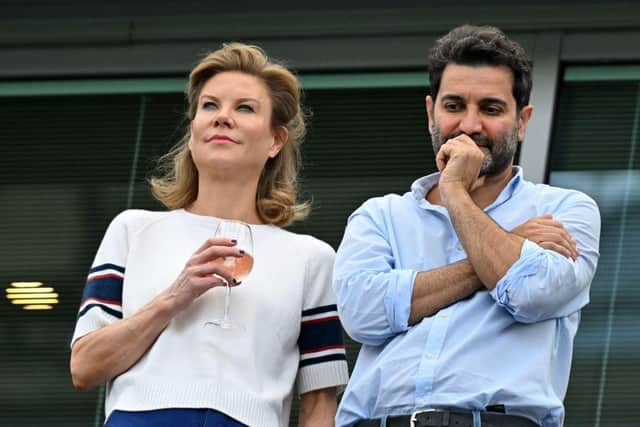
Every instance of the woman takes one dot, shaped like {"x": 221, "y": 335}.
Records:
{"x": 158, "y": 279}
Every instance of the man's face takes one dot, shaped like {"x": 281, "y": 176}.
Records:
{"x": 478, "y": 101}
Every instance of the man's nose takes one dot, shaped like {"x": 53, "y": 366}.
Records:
{"x": 471, "y": 122}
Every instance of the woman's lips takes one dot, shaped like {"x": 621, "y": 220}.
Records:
{"x": 221, "y": 139}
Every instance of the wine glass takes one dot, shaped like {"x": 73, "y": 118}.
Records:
{"x": 238, "y": 266}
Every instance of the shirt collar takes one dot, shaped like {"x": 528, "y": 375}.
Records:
{"x": 421, "y": 187}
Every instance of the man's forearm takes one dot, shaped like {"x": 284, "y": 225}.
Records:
{"x": 438, "y": 288}
{"x": 490, "y": 249}
{"x": 441, "y": 287}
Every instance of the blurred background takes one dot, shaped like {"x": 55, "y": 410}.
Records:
{"x": 91, "y": 93}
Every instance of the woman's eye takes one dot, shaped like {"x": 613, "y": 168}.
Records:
{"x": 208, "y": 105}
{"x": 245, "y": 108}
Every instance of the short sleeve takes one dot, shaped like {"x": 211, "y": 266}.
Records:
{"x": 322, "y": 352}
{"x": 101, "y": 302}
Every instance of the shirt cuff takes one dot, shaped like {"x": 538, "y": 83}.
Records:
{"x": 397, "y": 300}
{"x": 521, "y": 268}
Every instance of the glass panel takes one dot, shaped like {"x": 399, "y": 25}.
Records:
{"x": 71, "y": 161}
{"x": 362, "y": 143}
{"x": 594, "y": 149}
{"x": 64, "y": 170}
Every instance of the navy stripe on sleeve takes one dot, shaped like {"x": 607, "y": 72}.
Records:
{"x": 103, "y": 289}
{"x": 319, "y": 310}
{"x": 320, "y": 337}
{"x": 107, "y": 267}
{"x": 87, "y": 307}
{"x": 108, "y": 289}
{"x": 322, "y": 359}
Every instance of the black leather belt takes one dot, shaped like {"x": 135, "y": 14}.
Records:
{"x": 455, "y": 418}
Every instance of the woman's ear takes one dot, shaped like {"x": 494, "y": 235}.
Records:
{"x": 190, "y": 135}
{"x": 280, "y": 137}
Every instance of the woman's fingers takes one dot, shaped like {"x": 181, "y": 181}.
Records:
{"x": 213, "y": 252}
{"x": 208, "y": 262}
{"x": 218, "y": 271}
{"x": 196, "y": 280}
{"x": 205, "y": 270}
{"x": 215, "y": 241}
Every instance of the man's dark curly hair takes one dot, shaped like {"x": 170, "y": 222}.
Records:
{"x": 473, "y": 45}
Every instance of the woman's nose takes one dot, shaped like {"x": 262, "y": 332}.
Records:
{"x": 222, "y": 119}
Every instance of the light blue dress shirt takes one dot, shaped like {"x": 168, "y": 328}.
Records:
{"x": 511, "y": 346}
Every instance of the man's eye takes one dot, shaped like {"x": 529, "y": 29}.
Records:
{"x": 246, "y": 108}
{"x": 493, "y": 110}
{"x": 452, "y": 107}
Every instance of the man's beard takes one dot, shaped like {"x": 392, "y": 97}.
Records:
{"x": 501, "y": 153}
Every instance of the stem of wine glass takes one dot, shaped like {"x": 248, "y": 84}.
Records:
{"x": 227, "y": 301}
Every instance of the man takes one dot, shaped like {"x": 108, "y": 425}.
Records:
{"x": 466, "y": 291}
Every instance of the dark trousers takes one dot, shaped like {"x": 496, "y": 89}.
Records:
{"x": 172, "y": 418}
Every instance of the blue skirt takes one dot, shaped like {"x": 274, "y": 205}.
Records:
{"x": 172, "y": 418}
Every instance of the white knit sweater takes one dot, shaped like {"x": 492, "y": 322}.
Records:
{"x": 290, "y": 331}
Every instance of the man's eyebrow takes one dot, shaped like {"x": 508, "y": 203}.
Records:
{"x": 451, "y": 97}
{"x": 487, "y": 100}
{"x": 492, "y": 100}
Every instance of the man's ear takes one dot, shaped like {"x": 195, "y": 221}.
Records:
{"x": 523, "y": 119}
{"x": 280, "y": 137}
{"x": 429, "y": 107}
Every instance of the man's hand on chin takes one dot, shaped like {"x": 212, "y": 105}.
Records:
{"x": 459, "y": 161}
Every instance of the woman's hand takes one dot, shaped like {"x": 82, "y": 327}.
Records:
{"x": 105, "y": 353}
{"x": 203, "y": 271}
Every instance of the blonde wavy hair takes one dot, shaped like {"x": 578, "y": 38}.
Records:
{"x": 176, "y": 186}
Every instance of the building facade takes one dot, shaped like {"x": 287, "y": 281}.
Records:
{"x": 91, "y": 94}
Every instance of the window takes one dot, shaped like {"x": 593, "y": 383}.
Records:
{"x": 68, "y": 164}
{"x": 75, "y": 153}
{"x": 594, "y": 149}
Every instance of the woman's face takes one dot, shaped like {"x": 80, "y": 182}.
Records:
{"x": 232, "y": 126}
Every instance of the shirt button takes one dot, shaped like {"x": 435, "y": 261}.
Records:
{"x": 429, "y": 356}
{"x": 459, "y": 246}
{"x": 443, "y": 315}
{"x": 420, "y": 402}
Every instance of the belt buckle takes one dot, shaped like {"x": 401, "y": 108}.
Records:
{"x": 413, "y": 420}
